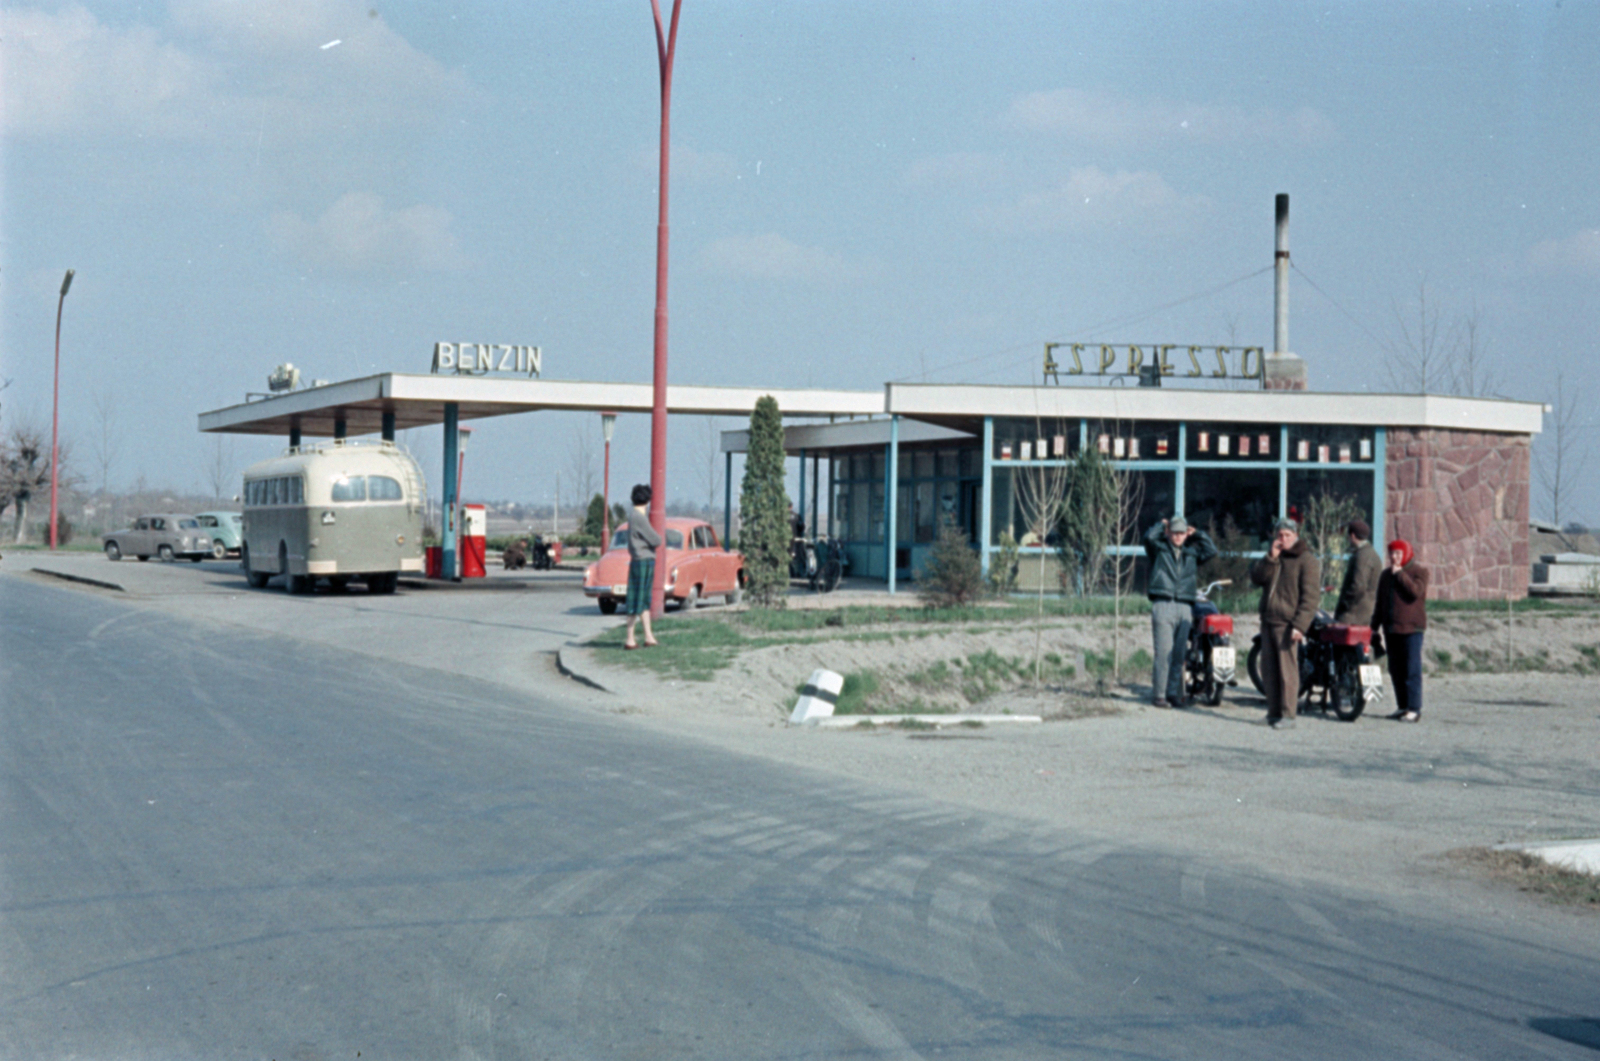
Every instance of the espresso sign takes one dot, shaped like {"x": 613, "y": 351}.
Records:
{"x": 480, "y": 359}
{"x": 1105, "y": 359}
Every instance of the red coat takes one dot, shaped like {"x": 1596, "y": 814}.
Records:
{"x": 1402, "y": 600}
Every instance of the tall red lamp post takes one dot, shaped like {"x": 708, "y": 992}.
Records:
{"x": 608, "y": 427}
{"x": 666, "y": 44}
{"x": 55, "y": 410}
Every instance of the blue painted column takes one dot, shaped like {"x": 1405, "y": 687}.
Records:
{"x": 294, "y": 435}
{"x": 727, "y": 500}
{"x": 1180, "y": 493}
{"x": 340, "y": 429}
{"x": 1380, "y": 489}
{"x": 388, "y": 425}
{"x": 986, "y": 502}
{"x": 816, "y": 496}
{"x": 449, "y": 522}
{"x": 891, "y": 497}
{"x": 800, "y": 509}
{"x": 1283, "y": 471}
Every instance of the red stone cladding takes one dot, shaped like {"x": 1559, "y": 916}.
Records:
{"x": 1461, "y": 499}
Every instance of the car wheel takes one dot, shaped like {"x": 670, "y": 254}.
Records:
{"x": 165, "y": 553}
{"x": 112, "y": 551}
{"x": 143, "y": 557}
{"x": 608, "y": 605}
{"x": 692, "y": 601}
{"x": 734, "y": 597}
{"x": 219, "y": 550}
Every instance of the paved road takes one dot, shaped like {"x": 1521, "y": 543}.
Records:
{"x": 262, "y": 846}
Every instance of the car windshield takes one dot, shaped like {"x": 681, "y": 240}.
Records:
{"x": 188, "y": 524}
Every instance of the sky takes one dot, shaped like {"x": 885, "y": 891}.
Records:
{"x": 861, "y": 192}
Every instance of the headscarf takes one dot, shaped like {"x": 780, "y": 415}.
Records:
{"x": 1405, "y": 550}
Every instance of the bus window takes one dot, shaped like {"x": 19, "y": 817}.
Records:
{"x": 350, "y": 488}
{"x": 383, "y": 488}
{"x": 297, "y": 491}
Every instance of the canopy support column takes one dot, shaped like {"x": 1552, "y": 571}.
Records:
{"x": 449, "y": 527}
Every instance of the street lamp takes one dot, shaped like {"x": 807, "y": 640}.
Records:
{"x": 55, "y": 410}
{"x": 666, "y": 44}
{"x": 608, "y": 426}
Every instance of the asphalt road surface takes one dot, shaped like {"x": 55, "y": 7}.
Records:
{"x": 255, "y": 845}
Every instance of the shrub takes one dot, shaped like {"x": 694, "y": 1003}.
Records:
{"x": 953, "y": 574}
{"x": 1003, "y": 566}
{"x": 764, "y": 536}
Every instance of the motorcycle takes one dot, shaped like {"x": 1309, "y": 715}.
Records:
{"x": 802, "y": 559}
{"x": 539, "y": 557}
{"x": 1209, "y": 664}
{"x": 829, "y": 563}
{"x": 1337, "y": 667}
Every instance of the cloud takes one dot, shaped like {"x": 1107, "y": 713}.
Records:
{"x": 1101, "y": 118}
{"x": 962, "y": 169}
{"x": 357, "y": 234}
{"x": 1092, "y": 198}
{"x": 1578, "y": 253}
{"x": 772, "y": 257}
{"x": 213, "y": 65}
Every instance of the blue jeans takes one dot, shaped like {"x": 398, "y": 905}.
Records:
{"x": 1405, "y": 669}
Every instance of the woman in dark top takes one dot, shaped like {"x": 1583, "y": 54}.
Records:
{"x": 642, "y": 544}
{"x": 1402, "y": 615}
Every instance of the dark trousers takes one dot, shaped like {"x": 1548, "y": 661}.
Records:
{"x": 1280, "y": 670}
{"x": 1405, "y": 669}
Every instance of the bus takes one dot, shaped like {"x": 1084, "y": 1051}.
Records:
{"x": 342, "y": 510}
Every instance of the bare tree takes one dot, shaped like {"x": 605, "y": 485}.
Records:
{"x": 219, "y": 466}
{"x": 1041, "y": 491}
{"x": 25, "y": 470}
{"x": 1419, "y": 357}
{"x": 1562, "y": 458}
{"x": 710, "y": 470}
{"x": 581, "y": 475}
{"x": 1129, "y": 489}
{"x": 1472, "y": 370}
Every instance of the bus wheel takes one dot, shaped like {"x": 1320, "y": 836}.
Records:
{"x": 257, "y": 579}
{"x": 385, "y": 583}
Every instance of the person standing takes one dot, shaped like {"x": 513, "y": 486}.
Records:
{"x": 642, "y": 544}
{"x": 1176, "y": 551}
{"x": 1359, "y": 594}
{"x": 1402, "y": 615}
{"x": 1290, "y": 577}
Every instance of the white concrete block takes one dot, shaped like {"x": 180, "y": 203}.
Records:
{"x": 817, "y": 699}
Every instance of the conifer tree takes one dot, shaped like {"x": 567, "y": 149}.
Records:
{"x": 765, "y": 531}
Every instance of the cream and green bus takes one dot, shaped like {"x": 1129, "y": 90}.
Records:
{"x": 342, "y": 511}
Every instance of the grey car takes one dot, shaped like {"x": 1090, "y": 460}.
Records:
{"x": 167, "y": 535}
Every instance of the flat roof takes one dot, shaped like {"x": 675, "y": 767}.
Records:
{"x": 418, "y": 400}
{"x": 819, "y": 437}
{"x": 963, "y": 406}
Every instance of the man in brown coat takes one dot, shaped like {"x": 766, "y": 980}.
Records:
{"x": 1290, "y": 577}
{"x": 1359, "y": 595}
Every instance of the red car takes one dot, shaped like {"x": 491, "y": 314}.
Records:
{"x": 704, "y": 569}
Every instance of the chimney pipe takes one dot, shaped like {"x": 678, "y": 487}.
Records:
{"x": 1280, "y": 288}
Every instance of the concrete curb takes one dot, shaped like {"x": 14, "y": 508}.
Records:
{"x": 569, "y": 664}
{"x": 78, "y": 578}
{"x": 1580, "y": 856}
{"x": 937, "y": 721}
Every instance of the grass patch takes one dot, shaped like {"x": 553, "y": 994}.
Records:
{"x": 1530, "y": 873}
{"x": 688, "y": 650}
{"x": 858, "y": 686}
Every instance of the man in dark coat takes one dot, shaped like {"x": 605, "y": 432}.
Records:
{"x": 1176, "y": 550}
{"x": 1290, "y": 577}
{"x": 1359, "y": 594}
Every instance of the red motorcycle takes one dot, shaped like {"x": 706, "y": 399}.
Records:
{"x": 1209, "y": 665}
{"x": 1337, "y": 668}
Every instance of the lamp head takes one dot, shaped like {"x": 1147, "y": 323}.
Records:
{"x": 608, "y": 424}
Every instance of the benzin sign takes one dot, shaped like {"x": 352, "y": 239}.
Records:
{"x": 478, "y": 359}
{"x": 1232, "y": 362}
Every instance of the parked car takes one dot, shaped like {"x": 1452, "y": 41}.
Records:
{"x": 225, "y": 529}
{"x": 167, "y": 535}
{"x": 704, "y": 569}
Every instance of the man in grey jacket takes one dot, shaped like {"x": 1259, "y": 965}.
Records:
{"x": 1359, "y": 594}
{"x": 1176, "y": 551}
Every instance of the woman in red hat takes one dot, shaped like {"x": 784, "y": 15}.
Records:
{"x": 1402, "y": 614}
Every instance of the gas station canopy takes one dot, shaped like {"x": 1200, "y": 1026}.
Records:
{"x": 358, "y": 406}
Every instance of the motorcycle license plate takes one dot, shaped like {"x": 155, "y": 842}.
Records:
{"x": 620, "y": 589}
{"x": 1222, "y": 658}
{"x": 1371, "y": 674}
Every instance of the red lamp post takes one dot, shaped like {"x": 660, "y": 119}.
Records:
{"x": 55, "y": 410}
{"x": 608, "y": 426}
{"x": 666, "y": 44}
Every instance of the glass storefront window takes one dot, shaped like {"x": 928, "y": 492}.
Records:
{"x": 1144, "y": 440}
{"x": 1330, "y": 444}
{"x": 1059, "y": 438}
{"x": 1244, "y": 498}
{"x": 1320, "y": 493}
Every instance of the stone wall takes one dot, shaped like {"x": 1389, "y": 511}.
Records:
{"x": 1461, "y": 499}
